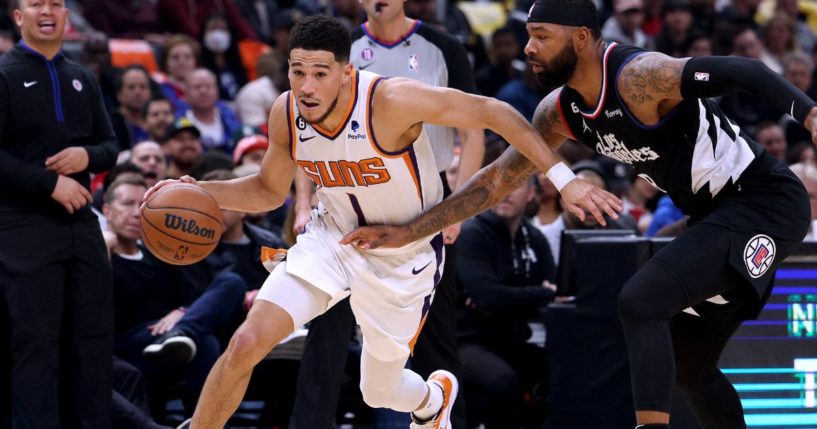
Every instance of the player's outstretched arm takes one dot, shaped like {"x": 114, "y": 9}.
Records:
{"x": 488, "y": 186}
{"x": 265, "y": 190}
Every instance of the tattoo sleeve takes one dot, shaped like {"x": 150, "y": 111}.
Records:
{"x": 650, "y": 78}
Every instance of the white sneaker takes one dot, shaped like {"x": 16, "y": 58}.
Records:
{"x": 449, "y": 385}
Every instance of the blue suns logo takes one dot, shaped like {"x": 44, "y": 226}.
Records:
{"x": 354, "y": 135}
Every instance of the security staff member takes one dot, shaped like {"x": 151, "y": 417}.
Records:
{"x": 55, "y": 277}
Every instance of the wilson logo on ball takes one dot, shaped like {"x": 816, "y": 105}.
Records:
{"x": 188, "y": 226}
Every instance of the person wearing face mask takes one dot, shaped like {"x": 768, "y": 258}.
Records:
{"x": 220, "y": 54}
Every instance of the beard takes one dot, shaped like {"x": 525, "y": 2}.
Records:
{"x": 326, "y": 114}
{"x": 560, "y": 69}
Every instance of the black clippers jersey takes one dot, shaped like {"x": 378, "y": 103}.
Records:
{"x": 693, "y": 153}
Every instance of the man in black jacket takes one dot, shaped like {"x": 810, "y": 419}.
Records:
{"x": 54, "y": 271}
{"x": 505, "y": 268}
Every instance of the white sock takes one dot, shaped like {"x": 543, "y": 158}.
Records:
{"x": 434, "y": 403}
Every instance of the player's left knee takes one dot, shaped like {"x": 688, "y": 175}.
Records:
{"x": 380, "y": 392}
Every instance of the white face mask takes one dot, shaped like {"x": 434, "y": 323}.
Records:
{"x": 217, "y": 41}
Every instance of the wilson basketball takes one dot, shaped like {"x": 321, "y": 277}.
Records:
{"x": 181, "y": 224}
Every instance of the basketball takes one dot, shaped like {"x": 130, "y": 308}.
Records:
{"x": 181, "y": 224}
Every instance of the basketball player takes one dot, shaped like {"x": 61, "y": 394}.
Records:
{"x": 747, "y": 211}
{"x": 361, "y": 138}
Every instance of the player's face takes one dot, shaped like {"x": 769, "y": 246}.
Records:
{"x": 551, "y": 54}
{"x": 316, "y": 79}
{"x": 122, "y": 212}
{"x": 383, "y": 10}
{"x": 41, "y": 21}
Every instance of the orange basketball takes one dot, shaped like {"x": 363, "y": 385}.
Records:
{"x": 181, "y": 224}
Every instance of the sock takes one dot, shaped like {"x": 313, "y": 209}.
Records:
{"x": 653, "y": 426}
{"x": 434, "y": 403}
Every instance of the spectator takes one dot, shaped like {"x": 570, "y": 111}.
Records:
{"x": 505, "y": 268}
{"x": 132, "y": 93}
{"x": 779, "y": 37}
{"x": 505, "y": 51}
{"x": 180, "y": 57}
{"x": 281, "y": 25}
{"x": 185, "y": 16}
{"x": 625, "y": 24}
{"x": 183, "y": 147}
{"x": 798, "y": 69}
{"x": 211, "y": 161}
{"x": 254, "y": 100}
{"x": 220, "y": 55}
{"x": 771, "y": 137}
{"x": 163, "y": 324}
{"x": 259, "y": 15}
{"x": 349, "y": 12}
{"x": 697, "y": 45}
{"x": 150, "y": 158}
{"x": 158, "y": 117}
{"x": 637, "y": 201}
{"x": 250, "y": 150}
{"x": 676, "y": 28}
{"x": 130, "y": 403}
{"x": 803, "y": 33}
{"x": 665, "y": 214}
{"x": 125, "y": 19}
{"x": 747, "y": 44}
{"x": 96, "y": 56}
{"x": 213, "y": 118}
{"x": 807, "y": 173}
{"x": 802, "y": 152}
{"x": 523, "y": 93}
{"x": 548, "y": 209}
{"x": 56, "y": 277}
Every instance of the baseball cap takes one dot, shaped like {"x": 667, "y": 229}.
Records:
{"x": 182, "y": 124}
{"x": 624, "y": 5}
{"x": 249, "y": 144}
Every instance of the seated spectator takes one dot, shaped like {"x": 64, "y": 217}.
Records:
{"x": 250, "y": 150}
{"x": 158, "y": 117}
{"x": 548, "y": 208}
{"x": 129, "y": 402}
{"x": 807, "y": 174}
{"x": 211, "y": 161}
{"x": 150, "y": 158}
{"x": 183, "y": 147}
{"x": 220, "y": 54}
{"x": 592, "y": 172}
{"x": 665, "y": 214}
{"x": 132, "y": 93}
{"x": 213, "y": 118}
{"x": 505, "y": 50}
{"x": 180, "y": 56}
{"x": 779, "y": 37}
{"x": 523, "y": 93}
{"x": 505, "y": 268}
{"x": 798, "y": 68}
{"x": 125, "y": 19}
{"x": 676, "y": 29}
{"x": 254, "y": 101}
{"x": 96, "y": 55}
{"x": 771, "y": 137}
{"x": 697, "y": 45}
{"x": 802, "y": 152}
{"x": 804, "y": 34}
{"x": 162, "y": 324}
{"x": 625, "y": 24}
{"x": 186, "y": 16}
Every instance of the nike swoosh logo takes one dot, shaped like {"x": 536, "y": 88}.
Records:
{"x": 415, "y": 271}
{"x": 303, "y": 139}
{"x": 27, "y": 84}
{"x": 792, "y": 110}
{"x": 365, "y": 66}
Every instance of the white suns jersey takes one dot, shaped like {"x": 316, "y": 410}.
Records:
{"x": 359, "y": 183}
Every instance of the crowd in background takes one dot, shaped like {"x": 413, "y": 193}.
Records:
{"x": 189, "y": 85}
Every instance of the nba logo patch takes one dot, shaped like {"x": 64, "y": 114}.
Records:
{"x": 702, "y": 77}
{"x": 759, "y": 255}
{"x": 367, "y": 54}
{"x": 414, "y": 64}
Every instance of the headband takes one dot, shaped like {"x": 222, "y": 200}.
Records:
{"x": 557, "y": 12}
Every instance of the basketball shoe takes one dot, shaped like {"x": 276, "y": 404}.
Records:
{"x": 448, "y": 383}
{"x": 171, "y": 350}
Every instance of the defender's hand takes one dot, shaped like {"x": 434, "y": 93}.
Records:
{"x": 373, "y": 237}
{"x": 580, "y": 195}
{"x": 68, "y": 161}
{"x": 70, "y": 194}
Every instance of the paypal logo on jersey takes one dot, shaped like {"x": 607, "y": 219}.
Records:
{"x": 354, "y": 135}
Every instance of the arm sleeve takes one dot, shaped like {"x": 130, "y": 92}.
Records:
{"x": 705, "y": 77}
{"x": 104, "y": 146}
{"x": 14, "y": 173}
{"x": 476, "y": 268}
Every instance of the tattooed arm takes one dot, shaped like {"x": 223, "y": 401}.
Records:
{"x": 488, "y": 186}
{"x": 650, "y": 85}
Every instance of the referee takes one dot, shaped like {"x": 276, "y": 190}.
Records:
{"x": 55, "y": 277}
{"x": 393, "y": 45}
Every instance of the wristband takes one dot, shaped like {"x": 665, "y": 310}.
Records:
{"x": 560, "y": 175}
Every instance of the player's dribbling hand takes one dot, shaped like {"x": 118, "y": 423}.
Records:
{"x": 161, "y": 183}
{"x": 68, "y": 161}
{"x": 373, "y": 237}
{"x": 70, "y": 194}
{"x": 580, "y": 195}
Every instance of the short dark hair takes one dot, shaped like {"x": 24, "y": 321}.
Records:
{"x": 321, "y": 33}
{"x": 123, "y": 179}
{"x": 119, "y": 81}
{"x": 155, "y": 100}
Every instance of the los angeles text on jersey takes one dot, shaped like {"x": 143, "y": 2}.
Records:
{"x": 609, "y": 145}
{"x": 330, "y": 174}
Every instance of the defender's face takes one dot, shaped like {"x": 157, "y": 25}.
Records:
{"x": 551, "y": 54}
{"x": 41, "y": 21}
{"x": 316, "y": 79}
